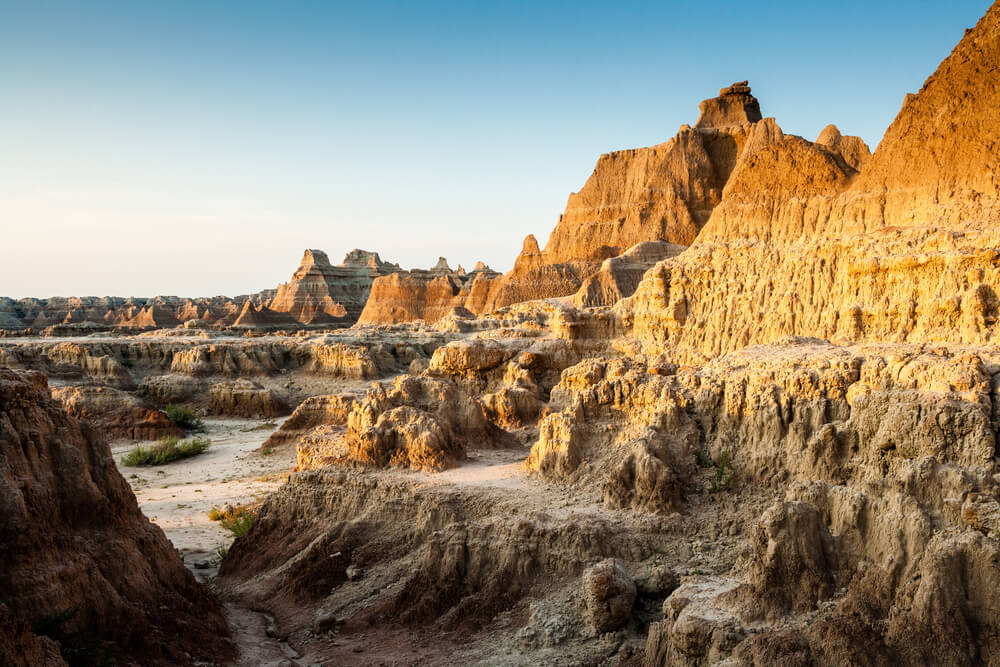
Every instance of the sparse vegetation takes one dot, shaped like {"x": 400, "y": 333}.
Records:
{"x": 702, "y": 459}
{"x": 266, "y": 451}
{"x": 723, "y": 472}
{"x": 265, "y": 426}
{"x": 166, "y": 450}
{"x": 221, "y": 553}
{"x": 236, "y": 519}
{"x": 185, "y": 417}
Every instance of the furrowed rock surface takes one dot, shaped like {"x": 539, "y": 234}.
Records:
{"x": 619, "y": 276}
{"x": 79, "y": 560}
{"x": 800, "y": 245}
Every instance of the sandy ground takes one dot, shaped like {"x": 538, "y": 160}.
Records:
{"x": 178, "y": 496}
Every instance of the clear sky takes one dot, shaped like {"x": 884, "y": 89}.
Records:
{"x": 196, "y": 148}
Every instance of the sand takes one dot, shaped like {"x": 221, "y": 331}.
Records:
{"x": 178, "y": 496}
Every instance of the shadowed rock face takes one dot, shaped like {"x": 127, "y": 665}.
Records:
{"x": 78, "y": 560}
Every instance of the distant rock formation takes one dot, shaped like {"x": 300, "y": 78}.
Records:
{"x": 79, "y": 561}
{"x": 320, "y": 293}
{"x": 406, "y": 296}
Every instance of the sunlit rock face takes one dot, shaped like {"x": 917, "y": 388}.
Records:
{"x": 320, "y": 292}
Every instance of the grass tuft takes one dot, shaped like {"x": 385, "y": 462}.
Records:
{"x": 185, "y": 417}
{"x": 237, "y": 520}
{"x": 166, "y": 450}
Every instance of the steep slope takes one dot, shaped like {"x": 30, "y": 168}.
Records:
{"x": 78, "y": 560}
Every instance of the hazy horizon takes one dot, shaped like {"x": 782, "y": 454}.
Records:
{"x": 197, "y": 150}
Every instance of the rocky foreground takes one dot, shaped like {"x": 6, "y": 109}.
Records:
{"x": 742, "y": 409}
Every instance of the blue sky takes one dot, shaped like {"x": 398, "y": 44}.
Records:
{"x": 195, "y": 148}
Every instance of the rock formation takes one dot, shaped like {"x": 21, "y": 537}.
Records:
{"x": 654, "y": 199}
{"x": 80, "y": 562}
{"x": 802, "y": 245}
{"x": 115, "y": 413}
{"x": 426, "y": 295}
{"x": 320, "y": 293}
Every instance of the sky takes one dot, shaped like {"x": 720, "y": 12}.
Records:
{"x": 196, "y": 148}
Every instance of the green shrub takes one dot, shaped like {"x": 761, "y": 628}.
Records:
{"x": 221, "y": 553}
{"x": 185, "y": 417}
{"x": 166, "y": 450}
{"x": 702, "y": 458}
{"x": 723, "y": 473}
{"x": 236, "y": 520}
{"x": 238, "y": 525}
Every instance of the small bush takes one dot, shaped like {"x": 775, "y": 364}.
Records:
{"x": 236, "y": 520}
{"x": 185, "y": 417}
{"x": 266, "y": 426}
{"x": 165, "y": 451}
{"x": 723, "y": 473}
{"x": 239, "y": 525}
{"x": 221, "y": 553}
{"x": 702, "y": 459}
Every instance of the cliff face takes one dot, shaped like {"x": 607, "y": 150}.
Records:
{"x": 78, "y": 560}
{"x": 802, "y": 244}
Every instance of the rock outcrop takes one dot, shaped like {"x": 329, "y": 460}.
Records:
{"x": 115, "y": 413}
{"x": 427, "y": 295}
{"x": 733, "y": 107}
{"x": 801, "y": 245}
{"x": 79, "y": 560}
{"x": 320, "y": 293}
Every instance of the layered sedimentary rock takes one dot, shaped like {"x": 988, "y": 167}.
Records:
{"x": 800, "y": 501}
{"x": 75, "y": 314}
{"x": 661, "y": 194}
{"x": 115, "y": 413}
{"x": 318, "y": 293}
{"x": 321, "y": 293}
{"x": 426, "y": 295}
{"x": 619, "y": 276}
{"x": 80, "y": 562}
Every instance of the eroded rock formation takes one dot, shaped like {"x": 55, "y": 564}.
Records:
{"x": 79, "y": 560}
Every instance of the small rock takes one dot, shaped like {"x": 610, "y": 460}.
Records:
{"x": 608, "y": 593}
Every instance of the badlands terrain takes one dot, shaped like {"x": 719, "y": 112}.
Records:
{"x": 741, "y": 409}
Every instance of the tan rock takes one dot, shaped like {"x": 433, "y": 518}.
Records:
{"x": 115, "y": 413}
{"x": 608, "y": 595}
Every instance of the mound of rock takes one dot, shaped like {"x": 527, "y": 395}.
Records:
{"x": 245, "y": 398}
{"x": 115, "y": 413}
{"x": 79, "y": 560}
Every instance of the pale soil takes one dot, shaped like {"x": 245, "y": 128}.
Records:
{"x": 178, "y": 496}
